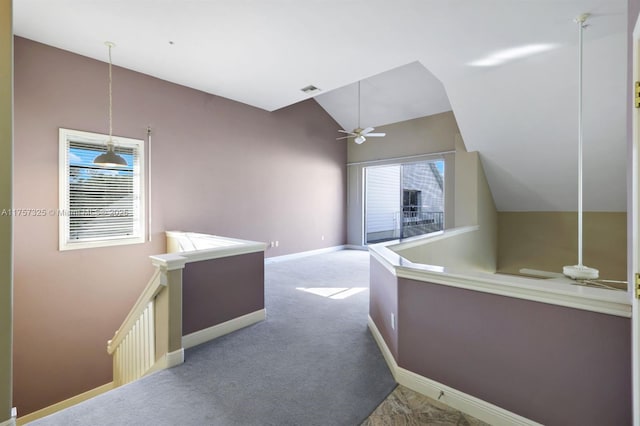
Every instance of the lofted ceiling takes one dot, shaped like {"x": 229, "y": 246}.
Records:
{"x": 414, "y": 58}
{"x": 400, "y": 94}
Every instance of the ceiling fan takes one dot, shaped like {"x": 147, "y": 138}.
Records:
{"x": 359, "y": 134}
{"x": 579, "y": 273}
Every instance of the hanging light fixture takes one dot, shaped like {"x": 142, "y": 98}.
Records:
{"x": 580, "y": 271}
{"x": 110, "y": 158}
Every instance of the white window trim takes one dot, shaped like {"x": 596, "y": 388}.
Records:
{"x": 63, "y": 185}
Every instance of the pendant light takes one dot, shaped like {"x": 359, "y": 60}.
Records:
{"x": 110, "y": 158}
{"x": 580, "y": 271}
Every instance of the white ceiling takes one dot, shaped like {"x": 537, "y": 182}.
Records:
{"x": 521, "y": 116}
{"x": 401, "y": 94}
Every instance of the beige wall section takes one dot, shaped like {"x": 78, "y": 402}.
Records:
{"x": 549, "y": 241}
{"x": 413, "y": 137}
{"x": 6, "y": 156}
{"x": 487, "y": 219}
{"x": 477, "y": 249}
{"x": 432, "y": 134}
{"x": 466, "y": 188}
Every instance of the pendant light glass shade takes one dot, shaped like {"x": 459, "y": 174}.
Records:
{"x": 110, "y": 158}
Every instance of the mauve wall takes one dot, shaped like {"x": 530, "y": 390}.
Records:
{"x": 218, "y": 290}
{"x": 383, "y": 301}
{"x": 555, "y": 365}
{"x": 219, "y": 167}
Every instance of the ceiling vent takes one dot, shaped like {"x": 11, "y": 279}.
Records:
{"x": 310, "y": 89}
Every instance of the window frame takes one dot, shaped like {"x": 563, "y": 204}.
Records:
{"x": 398, "y": 232}
{"x": 100, "y": 140}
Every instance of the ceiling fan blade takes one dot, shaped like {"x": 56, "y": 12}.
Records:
{"x": 367, "y": 130}
{"x": 343, "y": 137}
{"x": 541, "y": 274}
{"x": 343, "y": 131}
{"x": 376, "y": 135}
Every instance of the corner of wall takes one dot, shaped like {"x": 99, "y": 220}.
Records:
{"x": 6, "y": 176}
{"x": 459, "y": 143}
{"x": 466, "y": 189}
{"x": 487, "y": 217}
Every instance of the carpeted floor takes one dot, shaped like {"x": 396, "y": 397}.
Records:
{"x": 312, "y": 362}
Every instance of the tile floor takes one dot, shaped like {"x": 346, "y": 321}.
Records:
{"x": 404, "y": 407}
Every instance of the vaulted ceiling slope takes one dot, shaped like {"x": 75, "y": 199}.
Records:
{"x": 520, "y": 115}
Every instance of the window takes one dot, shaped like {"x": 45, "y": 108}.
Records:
{"x": 99, "y": 205}
{"x": 403, "y": 200}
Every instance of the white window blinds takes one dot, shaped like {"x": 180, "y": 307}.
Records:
{"x": 99, "y": 205}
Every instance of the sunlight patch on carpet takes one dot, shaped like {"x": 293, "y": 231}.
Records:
{"x": 333, "y": 292}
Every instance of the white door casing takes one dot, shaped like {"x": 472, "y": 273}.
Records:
{"x": 634, "y": 210}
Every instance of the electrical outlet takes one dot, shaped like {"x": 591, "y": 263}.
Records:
{"x": 393, "y": 321}
{"x": 323, "y": 238}
{"x": 277, "y": 243}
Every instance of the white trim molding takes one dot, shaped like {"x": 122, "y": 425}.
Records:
{"x": 196, "y": 247}
{"x": 201, "y": 336}
{"x": 175, "y": 358}
{"x": 59, "y": 406}
{"x": 171, "y": 359}
{"x": 169, "y": 261}
{"x": 454, "y": 398}
{"x": 550, "y": 291}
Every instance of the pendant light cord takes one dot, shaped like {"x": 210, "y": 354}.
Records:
{"x": 110, "y": 45}
{"x": 358, "y": 104}
{"x": 149, "y": 183}
{"x": 580, "y": 21}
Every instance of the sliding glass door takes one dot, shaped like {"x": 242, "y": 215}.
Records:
{"x": 403, "y": 200}
{"x": 382, "y": 203}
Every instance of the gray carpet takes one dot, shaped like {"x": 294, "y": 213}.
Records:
{"x": 312, "y": 362}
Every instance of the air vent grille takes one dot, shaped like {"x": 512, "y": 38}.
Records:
{"x": 310, "y": 89}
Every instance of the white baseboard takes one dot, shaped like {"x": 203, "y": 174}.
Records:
{"x": 175, "y": 358}
{"x": 302, "y": 254}
{"x": 356, "y": 247}
{"x": 202, "y": 336}
{"x": 466, "y": 403}
{"x": 58, "y": 406}
{"x": 386, "y": 352}
{"x": 169, "y": 360}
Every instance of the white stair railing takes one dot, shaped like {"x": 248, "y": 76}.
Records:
{"x": 133, "y": 349}
{"x": 149, "y": 339}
